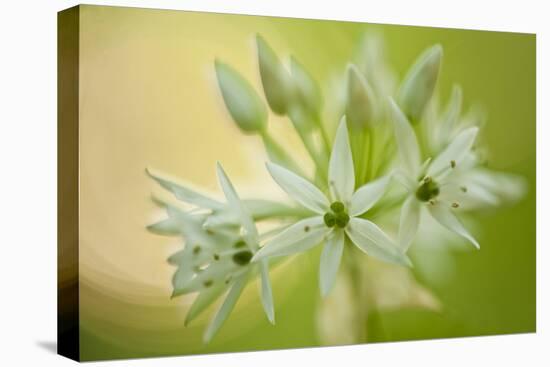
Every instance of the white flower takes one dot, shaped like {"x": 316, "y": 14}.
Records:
{"x": 214, "y": 258}
{"x": 432, "y": 184}
{"x": 334, "y": 218}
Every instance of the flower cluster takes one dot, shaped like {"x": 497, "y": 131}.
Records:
{"x": 392, "y": 149}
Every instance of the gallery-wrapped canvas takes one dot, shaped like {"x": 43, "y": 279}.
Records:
{"x": 237, "y": 183}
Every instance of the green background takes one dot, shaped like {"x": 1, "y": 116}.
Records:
{"x": 127, "y": 58}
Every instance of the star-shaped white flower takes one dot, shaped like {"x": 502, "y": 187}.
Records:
{"x": 215, "y": 259}
{"x": 432, "y": 184}
{"x": 334, "y": 218}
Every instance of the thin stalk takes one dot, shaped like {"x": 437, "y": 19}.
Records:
{"x": 319, "y": 159}
{"x": 278, "y": 155}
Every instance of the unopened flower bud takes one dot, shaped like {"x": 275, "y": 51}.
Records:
{"x": 360, "y": 100}
{"x": 307, "y": 91}
{"x": 419, "y": 83}
{"x": 275, "y": 79}
{"x": 243, "y": 103}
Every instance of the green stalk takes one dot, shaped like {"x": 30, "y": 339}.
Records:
{"x": 319, "y": 159}
{"x": 278, "y": 155}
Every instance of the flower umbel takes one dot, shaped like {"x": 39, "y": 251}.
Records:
{"x": 434, "y": 157}
{"x": 335, "y": 217}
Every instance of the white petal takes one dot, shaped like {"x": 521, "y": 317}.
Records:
{"x": 226, "y": 308}
{"x": 251, "y": 233}
{"x": 203, "y": 300}
{"x": 372, "y": 240}
{"x": 185, "y": 194}
{"x": 456, "y": 151}
{"x": 341, "y": 176}
{"x": 404, "y": 179}
{"x": 299, "y": 189}
{"x": 447, "y": 218}
{"x": 408, "y": 222}
{"x": 300, "y": 236}
{"x": 330, "y": 261}
{"x": 368, "y": 195}
{"x": 405, "y": 136}
{"x": 267, "y": 293}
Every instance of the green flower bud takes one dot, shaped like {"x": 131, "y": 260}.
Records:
{"x": 360, "y": 105}
{"x": 242, "y": 101}
{"x": 275, "y": 79}
{"x": 419, "y": 84}
{"x": 306, "y": 88}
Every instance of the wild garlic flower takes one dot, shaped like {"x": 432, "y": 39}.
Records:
{"x": 217, "y": 259}
{"x": 335, "y": 217}
{"x": 431, "y": 184}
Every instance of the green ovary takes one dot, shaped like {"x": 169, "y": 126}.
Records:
{"x": 427, "y": 191}
{"x": 337, "y": 216}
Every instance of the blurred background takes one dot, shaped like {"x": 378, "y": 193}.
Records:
{"x": 148, "y": 99}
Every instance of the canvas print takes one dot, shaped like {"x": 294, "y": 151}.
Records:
{"x": 236, "y": 183}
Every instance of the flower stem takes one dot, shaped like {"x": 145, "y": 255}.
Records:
{"x": 278, "y": 155}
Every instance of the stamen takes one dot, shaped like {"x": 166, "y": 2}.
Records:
{"x": 306, "y": 229}
{"x": 242, "y": 258}
{"x": 453, "y": 164}
{"x": 455, "y": 205}
{"x": 427, "y": 179}
{"x": 216, "y": 257}
{"x": 208, "y": 283}
{"x": 432, "y": 202}
{"x": 197, "y": 249}
{"x": 464, "y": 189}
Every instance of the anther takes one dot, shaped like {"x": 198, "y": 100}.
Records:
{"x": 432, "y": 202}
{"x": 455, "y": 205}
{"x": 196, "y": 250}
{"x": 464, "y": 189}
{"x": 453, "y": 164}
{"x": 306, "y": 229}
{"x": 208, "y": 283}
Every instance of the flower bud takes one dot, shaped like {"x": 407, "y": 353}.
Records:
{"x": 419, "y": 84}
{"x": 360, "y": 105}
{"x": 307, "y": 90}
{"x": 244, "y": 105}
{"x": 275, "y": 79}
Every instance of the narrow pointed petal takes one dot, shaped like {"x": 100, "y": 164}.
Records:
{"x": 451, "y": 116}
{"x": 341, "y": 175}
{"x": 185, "y": 194}
{"x": 235, "y": 202}
{"x": 448, "y": 219}
{"x": 267, "y": 293}
{"x": 330, "y": 261}
{"x": 203, "y": 300}
{"x": 368, "y": 195}
{"x": 299, "y": 189}
{"x": 299, "y": 237}
{"x": 226, "y": 308}
{"x": 372, "y": 240}
{"x": 166, "y": 227}
{"x": 455, "y": 152}
{"x": 408, "y": 222}
{"x": 407, "y": 144}
{"x": 405, "y": 180}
